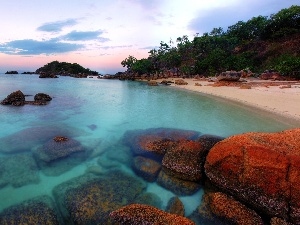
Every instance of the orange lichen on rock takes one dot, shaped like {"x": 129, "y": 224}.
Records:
{"x": 261, "y": 169}
{"x": 136, "y": 214}
{"x": 232, "y": 211}
{"x": 184, "y": 160}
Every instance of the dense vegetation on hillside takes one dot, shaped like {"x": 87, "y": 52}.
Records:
{"x": 64, "y": 68}
{"x": 258, "y": 44}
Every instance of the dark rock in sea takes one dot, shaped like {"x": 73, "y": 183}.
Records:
{"x": 147, "y": 168}
{"x": 156, "y": 141}
{"x": 136, "y": 214}
{"x": 12, "y": 72}
{"x": 39, "y": 210}
{"x": 175, "y": 206}
{"x": 261, "y": 170}
{"x": 16, "y": 98}
{"x": 92, "y": 126}
{"x": 149, "y": 199}
{"x": 47, "y": 75}
{"x": 18, "y": 170}
{"x": 41, "y": 97}
{"x": 29, "y": 138}
{"x": 59, "y": 155}
{"x": 183, "y": 160}
{"x": 55, "y": 150}
{"x": 231, "y": 211}
{"x": 89, "y": 199}
{"x": 176, "y": 185}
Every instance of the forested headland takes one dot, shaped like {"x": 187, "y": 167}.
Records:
{"x": 259, "y": 44}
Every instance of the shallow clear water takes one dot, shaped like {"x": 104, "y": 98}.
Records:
{"x": 98, "y": 112}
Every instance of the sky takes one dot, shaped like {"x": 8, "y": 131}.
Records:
{"x": 99, "y": 34}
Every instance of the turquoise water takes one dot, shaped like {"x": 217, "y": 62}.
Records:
{"x": 98, "y": 113}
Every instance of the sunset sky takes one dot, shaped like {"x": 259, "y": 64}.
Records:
{"x": 99, "y": 34}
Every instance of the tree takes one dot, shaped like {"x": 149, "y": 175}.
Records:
{"x": 129, "y": 62}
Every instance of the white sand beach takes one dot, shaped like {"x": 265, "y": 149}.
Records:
{"x": 263, "y": 94}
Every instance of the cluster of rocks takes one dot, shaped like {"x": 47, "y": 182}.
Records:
{"x": 251, "y": 178}
{"x": 271, "y": 75}
{"x": 173, "y": 158}
{"x": 17, "y": 98}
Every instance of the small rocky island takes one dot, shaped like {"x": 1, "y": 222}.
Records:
{"x": 17, "y": 98}
{"x": 51, "y": 70}
{"x": 12, "y": 72}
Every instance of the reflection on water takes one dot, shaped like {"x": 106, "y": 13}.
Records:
{"x": 95, "y": 115}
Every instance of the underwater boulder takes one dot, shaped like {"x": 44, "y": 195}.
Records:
{"x": 89, "y": 199}
{"x": 136, "y": 214}
{"x": 146, "y": 168}
{"x": 39, "y": 210}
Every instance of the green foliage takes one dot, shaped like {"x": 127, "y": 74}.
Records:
{"x": 288, "y": 65}
{"x": 56, "y": 67}
{"x": 253, "y": 44}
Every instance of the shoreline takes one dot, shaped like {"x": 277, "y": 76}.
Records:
{"x": 268, "y": 96}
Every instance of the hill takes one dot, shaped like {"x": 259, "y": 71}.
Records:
{"x": 259, "y": 44}
{"x": 65, "y": 68}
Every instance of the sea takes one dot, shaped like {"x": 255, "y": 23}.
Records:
{"x": 97, "y": 113}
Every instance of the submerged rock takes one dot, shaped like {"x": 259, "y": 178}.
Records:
{"x": 36, "y": 211}
{"x": 146, "y": 168}
{"x": 18, "y": 170}
{"x": 175, "y": 206}
{"x": 136, "y": 214}
{"x": 29, "y": 138}
{"x": 156, "y": 141}
{"x": 176, "y": 185}
{"x": 260, "y": 169}
{"x": 89, "y": 199}
{"x": 59, "y": 155}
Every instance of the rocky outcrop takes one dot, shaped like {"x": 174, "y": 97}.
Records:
{"x": 229, "y": 76}
{"x": 136, "y": 214}
{"x": 42, "y": 97}
{"x": 271, "y": 75}
{"x": 260, "y": 169}
{"x": 16, "y": 98}
{"x": 47, "y": 75}
{"x": 233, "y": 212}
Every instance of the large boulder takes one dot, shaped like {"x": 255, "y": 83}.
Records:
{"x": 136, "y": 214}
{"x": 260, "y": 169}
{"x": 39, "y": 210}
{"x": 89, "y": 199}
{"x": 155, "y": 142}
{"x": 229, "y": 76}
{"x": 184, "y": 160}
{"x": 16, "y": 98}
{"x": 231, "y": 211}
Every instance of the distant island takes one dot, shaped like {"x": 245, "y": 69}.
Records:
{"x": 54, "y": 68}
{"x": 12, "y": 72}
